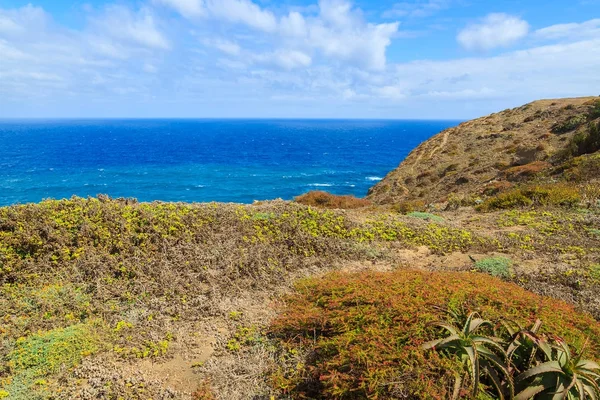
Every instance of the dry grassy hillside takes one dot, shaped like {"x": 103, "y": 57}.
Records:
{"x": 490, "y": 153}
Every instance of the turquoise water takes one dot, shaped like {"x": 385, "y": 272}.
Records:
{"x": 200, "y": 160}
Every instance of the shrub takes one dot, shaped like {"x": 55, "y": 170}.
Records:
{"x": 595, "y": 111}
{"x": 582, "y": 168}
{"x": 563, "y": 195}
{"x": 409, "y": 206}
{"x": 570, "y": 124}
{"x": 522, "y": 172}
{"x": 496, "y": 187}
{"x": 426, "y": 216}
{"x": 456, "y": 201}
{"x": 511, "y": 199}
{"x": 317, "y": 198}
{"x": 363, "y": 332}
{"x": 45, "y": 353}
{"x": 586, "y": 142}
{"x": 495, "y": 266}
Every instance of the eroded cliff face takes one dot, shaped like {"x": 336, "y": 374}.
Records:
{"x": 498, "y": 150}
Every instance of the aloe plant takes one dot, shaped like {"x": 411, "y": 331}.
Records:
{"x": 545, "y": 367}
{"x": 481, "y": 354}
{"x": 562, "y": 376}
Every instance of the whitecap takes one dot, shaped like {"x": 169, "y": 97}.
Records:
{"x": 320, "y": 184}
{"x": 373, "y": 178}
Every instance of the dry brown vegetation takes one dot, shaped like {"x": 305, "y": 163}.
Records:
{"x": 317, "y": 198}
{"x": 523, "y": 144}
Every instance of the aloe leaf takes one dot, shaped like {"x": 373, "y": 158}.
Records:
{"x": 591, "y": 391}
{"x": 531, "y": 391}
{"x": 588, "y": 364}
{"x": 536, "y": 326}
{"x": 472, "y": 353}
{"x": 494, "y": 359}
{"x": 496, "y": 382}
{"x": 467, "y": 325}
{"x": 448, "y": 327}
{"x": 550, "y": 366}
{"x": 489, "y": 341}
{"x": 439, "y": 343}
{"x": 476, "y": 323}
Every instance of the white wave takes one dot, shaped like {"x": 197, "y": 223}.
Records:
{"x": 320, "y": 184}
{"x": 373, "y": 178}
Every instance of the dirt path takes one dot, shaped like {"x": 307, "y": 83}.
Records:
{"x": 442, "y": 145}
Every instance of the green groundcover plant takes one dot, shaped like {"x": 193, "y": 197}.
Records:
{"x": 431, "y": 335}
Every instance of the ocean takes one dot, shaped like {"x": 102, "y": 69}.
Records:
{"x": 201, "y": 160}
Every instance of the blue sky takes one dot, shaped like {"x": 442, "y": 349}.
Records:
{"x": 421, "y": 59}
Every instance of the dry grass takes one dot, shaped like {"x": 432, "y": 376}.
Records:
{"x": 317, "y": 198}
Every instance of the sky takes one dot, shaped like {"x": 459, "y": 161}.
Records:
{"x": 416, "y": 59}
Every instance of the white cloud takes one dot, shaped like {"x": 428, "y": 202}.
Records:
{"x": 547, "y": 71}
{"x": 187, "y": 8}
{"x": 234, "y": 11}
{"x": 495, "y": 30}
{"x": 16, "y": 21}
{"x": 137, "y": 28}
{"x": 243, "y": 11}
{"x": 340, "y": 32}
{"x": 293, "y": 25}
{"x": 416, "y": 9}
{"x": 587, "y": 29}
{"x": 292, "y": 59}
{"x": 226, "y": 46}
{"x": 286, "y": 59}
{"x": 150, "y": 68}
{"x": 329, "y": 58}
{"x": 390, "y": 92}
{"x": 8, "y": 52}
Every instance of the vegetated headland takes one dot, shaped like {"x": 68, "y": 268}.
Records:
{"x": 470, "y": 271}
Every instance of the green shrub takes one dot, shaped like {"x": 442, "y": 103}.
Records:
{"x": 506, "y": 200}
{"x": 586, "y": 142}
{"x": 564, "y": 195}
{"x": 570, "y": 124}
{"x": 595, "y": 111}
{"x": 45, "y": 353}
{"x": 408, "y": 206}
{"x": 426, "y": 216}
{"x": 495, "y": 266}
{"x": 595, "y": 272}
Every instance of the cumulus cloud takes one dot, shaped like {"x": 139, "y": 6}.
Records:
{"x": 340, "y": 32}
{"x": 495, "y": 30}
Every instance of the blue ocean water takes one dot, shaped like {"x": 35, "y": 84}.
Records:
{"x": 200, "y": 160}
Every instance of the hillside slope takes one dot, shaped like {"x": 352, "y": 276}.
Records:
{"x": 489, "y": 152}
